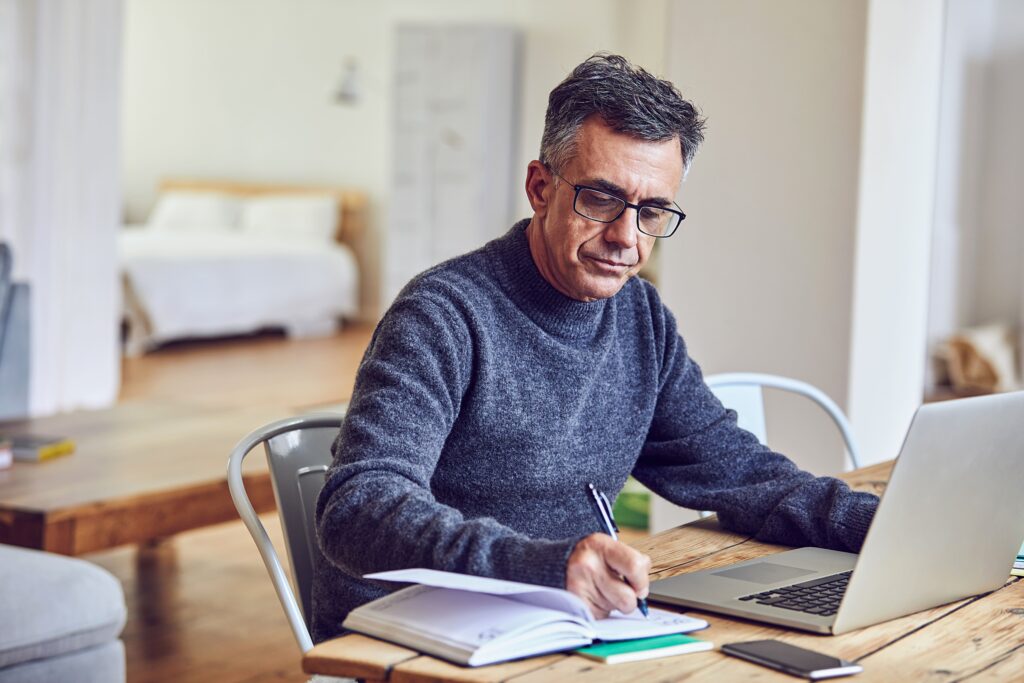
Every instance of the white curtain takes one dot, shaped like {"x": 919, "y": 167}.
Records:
{"x": 60, "y": 197}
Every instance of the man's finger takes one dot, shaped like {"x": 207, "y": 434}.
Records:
{"x": 595, "y": 572}
{"x": 615, "y": 592}
{"x": 631, "y": 564}
{"x": 599, "y": 606}
{"x": 583, "y": 584}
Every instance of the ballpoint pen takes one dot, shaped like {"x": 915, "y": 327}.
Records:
{"x": 603, "y": 509}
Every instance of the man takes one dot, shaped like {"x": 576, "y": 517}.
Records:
{"x": 501, "y": 382}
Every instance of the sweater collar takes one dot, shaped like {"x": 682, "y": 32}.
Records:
{"x": 549, "y": 308}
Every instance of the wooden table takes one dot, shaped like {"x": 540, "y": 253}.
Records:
{"x": 981, "y": 639}
{"x": 140, "y": 472}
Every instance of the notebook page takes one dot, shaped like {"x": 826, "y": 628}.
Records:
{"x": 634, "y": 625}
{"x": 539, "y": 596}
{"x": 459, "y": 618}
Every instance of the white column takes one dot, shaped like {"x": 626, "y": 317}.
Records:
{"x": 895, "y": 215}
{"x": 964, "y": 131}
{"x": 60, "y": 191}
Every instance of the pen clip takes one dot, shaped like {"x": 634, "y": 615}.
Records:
{"x": 608, "y": 510}
{"x": 604, "y": 510}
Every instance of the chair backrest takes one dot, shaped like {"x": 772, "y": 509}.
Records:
{"x": 748, "y": 402}
{"x": 15, "y": 339}
{"x": 298, "y": 453}
{"x": 298, "y": 461}
{"x": 5, "y": 284}
{"x": 742, "y": 391}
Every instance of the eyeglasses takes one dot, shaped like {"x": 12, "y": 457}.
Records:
{"x": 598, "y": 205}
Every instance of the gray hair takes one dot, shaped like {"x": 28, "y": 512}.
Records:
{"x": 628, "y": 99}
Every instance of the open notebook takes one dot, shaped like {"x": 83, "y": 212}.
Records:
{"x": 473, "y": 620}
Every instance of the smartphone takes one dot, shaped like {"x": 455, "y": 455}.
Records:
{"x": 792, "y": 659}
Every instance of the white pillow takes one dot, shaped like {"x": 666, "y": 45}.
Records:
{"x": 307, "y": 217}
{"x": 195, "y": 211}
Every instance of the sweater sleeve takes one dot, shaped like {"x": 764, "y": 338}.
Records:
{"x": 697, "y": 456}
{"x": 376, "y": 511}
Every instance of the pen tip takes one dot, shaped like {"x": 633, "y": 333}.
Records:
{"x": 643, "y": 606}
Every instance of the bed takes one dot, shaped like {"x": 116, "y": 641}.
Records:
{"x": 219, "y": 258}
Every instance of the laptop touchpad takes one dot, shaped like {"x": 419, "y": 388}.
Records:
{"x": 764, "y": 572}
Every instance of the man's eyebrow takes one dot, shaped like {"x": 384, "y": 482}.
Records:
{"x": 620, "y": 192}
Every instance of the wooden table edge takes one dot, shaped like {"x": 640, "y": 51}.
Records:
{"x": 318, "y": 661}
{"x": 322, "y": 661}
{"x": 135, "y": 518}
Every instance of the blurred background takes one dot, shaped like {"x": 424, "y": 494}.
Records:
{"x": 855, "y": 208}
{"x": 854, "y": 217}
{"x": 212, "y": 203}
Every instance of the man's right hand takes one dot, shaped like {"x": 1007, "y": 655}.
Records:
{"x": 595, "y": 571}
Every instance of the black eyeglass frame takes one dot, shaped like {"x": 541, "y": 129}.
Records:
{"x": 678, "y": 211}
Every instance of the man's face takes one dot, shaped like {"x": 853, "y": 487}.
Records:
{"x": 581, "y": 258}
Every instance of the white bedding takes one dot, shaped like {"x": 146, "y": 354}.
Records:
{"x": 210, "y": 283}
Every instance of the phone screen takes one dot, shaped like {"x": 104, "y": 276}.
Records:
{"x": 785, "y": 655}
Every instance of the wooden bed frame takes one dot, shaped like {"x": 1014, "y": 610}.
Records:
{"x": 353, "y": 220}
{"x": 353, "y": 232}
{"x": 352, "y": 204}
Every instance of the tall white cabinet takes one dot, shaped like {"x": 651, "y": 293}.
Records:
{"x": 456, "y": 102}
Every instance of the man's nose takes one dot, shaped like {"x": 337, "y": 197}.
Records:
{"x": 622, "y": 232}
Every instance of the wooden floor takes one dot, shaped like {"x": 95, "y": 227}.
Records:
{"x": 201, "y": 609}
{"x": 200, "y": 605}
{"x": 266, "y": 370}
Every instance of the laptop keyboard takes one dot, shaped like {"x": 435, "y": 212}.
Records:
{"x": 819, "y": 596}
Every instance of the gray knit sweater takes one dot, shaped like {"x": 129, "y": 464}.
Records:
{"x": 487, "y": 399}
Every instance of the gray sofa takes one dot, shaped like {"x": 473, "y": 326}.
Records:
{"x": 60, "y": 619}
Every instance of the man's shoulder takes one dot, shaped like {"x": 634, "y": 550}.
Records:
{"x": 459, "y": 280}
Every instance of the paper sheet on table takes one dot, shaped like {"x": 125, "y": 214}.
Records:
{"x": 635, "y": 625}
{"x": 618, "y": 626}
{"x": 540, "y": 596}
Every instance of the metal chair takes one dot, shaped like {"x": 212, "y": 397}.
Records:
{"x": 743, "y": 392}
{"x": 298, "y": 453}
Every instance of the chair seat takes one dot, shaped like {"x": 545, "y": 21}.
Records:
{"x": 52, "y": 605}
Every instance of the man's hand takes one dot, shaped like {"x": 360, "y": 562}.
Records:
{"x": 595, "y": 571}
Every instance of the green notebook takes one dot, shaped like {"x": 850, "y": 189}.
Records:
{"x": 645, "y": 648}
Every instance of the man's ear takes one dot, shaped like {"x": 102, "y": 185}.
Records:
{"x": 539, "y": 186}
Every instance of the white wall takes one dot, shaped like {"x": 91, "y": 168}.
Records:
{"x": 895, "y": 215}
{"x": 999, "y": 295}
{"x": 242, "y": 88}
{"x": 759, "y": 276}
{"x": 978, "y": 244}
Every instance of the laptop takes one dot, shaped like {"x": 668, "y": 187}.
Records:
{"x": 948, "y": 526}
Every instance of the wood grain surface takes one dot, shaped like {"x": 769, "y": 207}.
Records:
{"x": 139, "y": 472}
{"x": 979, "y": 638}
{"x": 155, "y": 465}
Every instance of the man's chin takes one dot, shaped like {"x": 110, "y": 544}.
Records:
{"x": 597, "y": 288}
